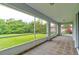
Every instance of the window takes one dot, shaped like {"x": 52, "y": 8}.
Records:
{"x": 53, "y": 29}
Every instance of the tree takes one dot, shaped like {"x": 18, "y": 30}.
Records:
{"x": 15, "y": 26}
{"x": 40, "y": 27}
{"x": 67, "y": 28}
{"x": 2, "y": 26}
{"x": 18, "y": 26}
{"x": 31, "y": 27}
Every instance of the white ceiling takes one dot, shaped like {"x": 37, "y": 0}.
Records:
{"x": 61, "y": 12}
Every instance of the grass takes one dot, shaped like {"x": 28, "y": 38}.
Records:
{"x": 15, "y": 41}
{"x": 10, "y": 35}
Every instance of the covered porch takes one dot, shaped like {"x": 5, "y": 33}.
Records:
{"x": 57, "y": 44}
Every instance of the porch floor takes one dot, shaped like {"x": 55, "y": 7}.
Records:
{"x": 61, "y": 45}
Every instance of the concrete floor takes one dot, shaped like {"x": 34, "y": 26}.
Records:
{"x": 61, "y": 45}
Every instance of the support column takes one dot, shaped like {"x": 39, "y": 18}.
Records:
{"x": 59, "y": 29}
{"x": 76, "y": 32}
{"x": 34, "y": 27}
{"x": 48, "y": 30}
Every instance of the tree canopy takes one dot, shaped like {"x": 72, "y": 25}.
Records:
{"x": 18, "y": 26}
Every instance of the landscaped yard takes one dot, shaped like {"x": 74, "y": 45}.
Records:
{"x": 8, "y": 42}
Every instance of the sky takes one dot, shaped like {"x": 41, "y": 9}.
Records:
{"x": 7, "y": 13}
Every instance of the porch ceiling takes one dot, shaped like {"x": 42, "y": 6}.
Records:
{"x": 60, "y": 12}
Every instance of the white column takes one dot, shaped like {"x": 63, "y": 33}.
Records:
{"x": 48, "y": 29}
{"x": 34, "y": 28}
{"x": 77, "y": 31}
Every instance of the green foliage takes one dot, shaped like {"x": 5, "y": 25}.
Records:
{"x": 67, "y": 28}
{"x": 18, "y": 26}
{"x": 2, "y": 26}
{"x": 66, "y": 25}
{"x": 40, "y": 28}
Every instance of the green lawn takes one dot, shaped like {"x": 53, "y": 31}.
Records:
{"x": 14, "y": 41}
{"x": 10, "y": 35}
